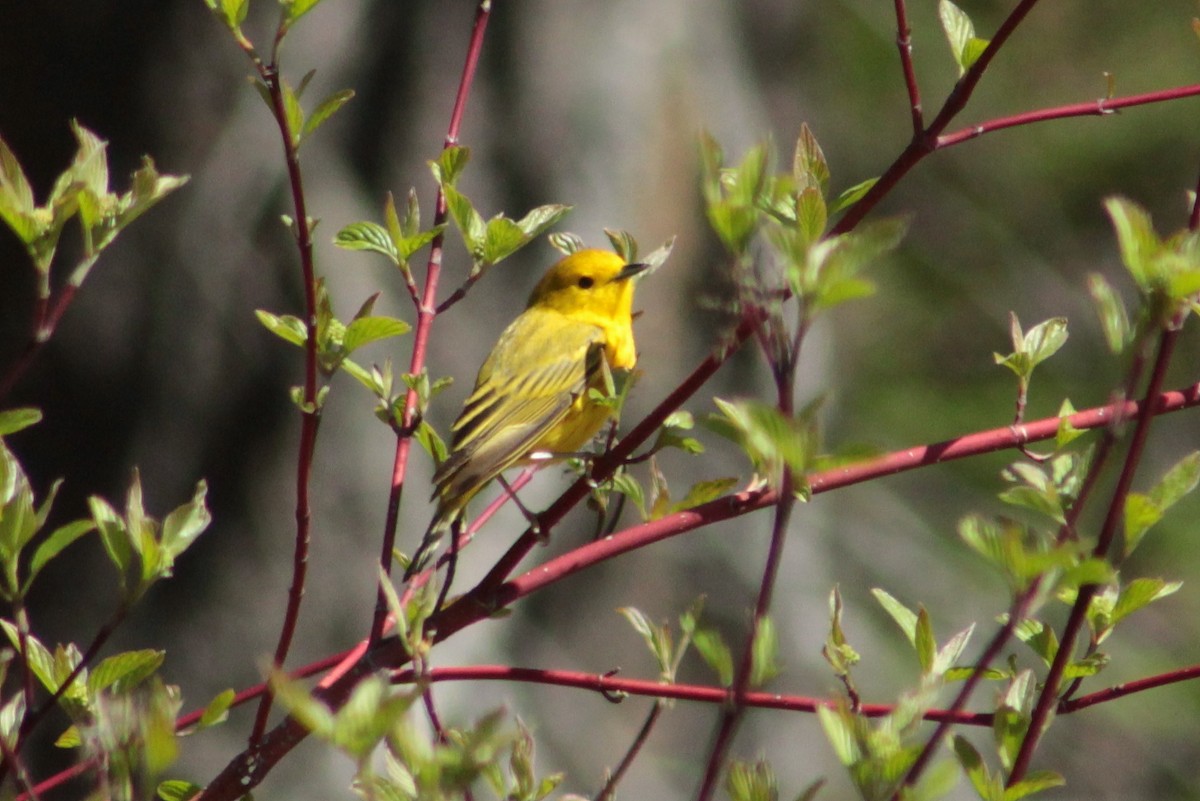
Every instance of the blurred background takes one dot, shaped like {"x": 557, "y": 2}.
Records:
{"x": 160, "y": 363}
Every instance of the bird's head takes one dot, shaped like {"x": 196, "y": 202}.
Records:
{"x": 588, "y": 282}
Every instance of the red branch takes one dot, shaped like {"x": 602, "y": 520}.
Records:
{"x": 310, "y": 415}
{"x": 612, "y": 688}
{"x": 426, "y": 312}
{"x": 1094, "y": 108}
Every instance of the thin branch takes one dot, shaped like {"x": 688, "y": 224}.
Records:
{"x": 904, "y": 44}
{"x": 608, "y": 791}
{"x": 732, "y": 714}
{"x": 610, "y": 685}
{"x": 310, "y": 415}
{"x": 1189, "y": 673}
{"x": 1100, "y": 107}
{"x": 426, "y": 313}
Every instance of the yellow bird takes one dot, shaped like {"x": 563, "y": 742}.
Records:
{"x": 530, "y": 401}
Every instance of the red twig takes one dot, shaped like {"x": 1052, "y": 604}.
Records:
{"x": 608, "y": 791}
{"x": 1095, "y": 108}
{"x": 610, "y": 685}
{"x": 310, "y": 415}
{"x": 904, "y": 44}
{"x": 426, "y": 312}
{"x": 47, "y": 313}
{"x": 1129, "y": 688}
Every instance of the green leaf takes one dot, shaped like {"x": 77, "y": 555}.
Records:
{"x": 295, "y": 9}
{"x": 234, "y": 12}
{"x": 113, "y": 535}
{"x": 433, "y": 444}
{"x": 565, "y": 242}
{"x": 751, "y": 782}
{"x": 1034, "y": 782}
{"x": 309, "y": 712}
{"x": 288, "y": 328}
{"x": 38, "y": 657}
{"x": 13, "y": 420}
{"x": 1138, "y": 243}
{"x": 1039, "y": 637}
{"x": 124, "y": 671}
{"x": 703, "y": 492}
{"x": 905, "y": 618}
{"x": 450, "y": 164}
{"x": 1090, "y": 665}
{"x": 181, "y": 527}
{"x": 70, "y": 738}
{"x": 924, "y": 641}
{"x": 852, "y": 195}
{"x": 367, "y": 716}
{"x": 53, "y": 545}
{"x": 293, "y": 113}
{"x": 17, "y": 206}
{"x": 973, "y": 765}
{"x": 657, "y": 639}
{"x": 1139, "y": 593}
{"x": 217, "y": 710}
{"x": 178, "y": 790}
{"x": 960, "y": 32}
{"x": 949, "y": 653}
{"x": 502, "y": 237}
{"x": 541, "y": 218}
{"x": 1044, "y": 339}
{"x": 771, "y": 439}
{"x": 470, "y": 224}
{"x": 809, "y": 168}
{"x": 839, "y": 730}
{"x": 764, "y": 664}
{"x": 811, "y": 215}
{"x": 716, "y": 654}
{"x": 366, "y": 330}
{"x": 1180, "y": 480}
{"x": 837, "y": 651}
{"x": 367, "y": 236}
{"x": 1114, "y": 319}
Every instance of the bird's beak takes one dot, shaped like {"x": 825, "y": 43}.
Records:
{"x": 630, "y": 270}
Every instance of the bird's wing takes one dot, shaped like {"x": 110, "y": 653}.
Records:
{"x": 519, "y": 395}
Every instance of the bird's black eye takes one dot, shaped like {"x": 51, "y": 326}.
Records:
{"x": 586, "y": 282}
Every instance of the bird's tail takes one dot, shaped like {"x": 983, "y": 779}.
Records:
{"x": 439, "y": 526}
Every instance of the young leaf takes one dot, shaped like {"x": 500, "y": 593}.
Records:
{"x": 960, "y": 32}
{"x": 905, "y": 618}
{"x": 716, "y": 654}
{"x": 288, "y": 328}
{"x": 124, "y": 671}
{"x": 765, "y": 653}
{"x": 327, "y": 107}
{"x": 365, "y": 330}
{"x": 809, "y": 168}
{"x": 367, "y": 236}
{"x": 1111, "y": 310}
{"x": 13, "y": 420}
{"x": 450, "y": 164}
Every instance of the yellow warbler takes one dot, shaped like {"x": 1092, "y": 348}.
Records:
{"x": 530, "y": 401}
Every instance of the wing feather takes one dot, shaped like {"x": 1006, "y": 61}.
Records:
{"x": 519, "y": 396}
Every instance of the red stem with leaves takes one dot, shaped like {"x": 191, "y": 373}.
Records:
{"x": 427, "y": 311}
{"x": 309, "y": 413}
